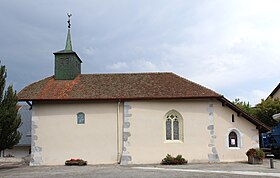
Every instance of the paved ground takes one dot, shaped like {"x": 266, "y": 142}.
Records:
{"x": 146, "y": 171}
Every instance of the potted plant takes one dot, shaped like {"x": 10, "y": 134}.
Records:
{"x": 170, "y": 160}
{"x": 255, "y": 156}
{"x": 73, "y": 161}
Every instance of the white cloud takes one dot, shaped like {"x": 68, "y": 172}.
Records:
{"x": 254, "y": 97}
{"x": 230, "y": 46}
{"x": 144, "y": 65}
{"x": 258, "y": 95}
{"x": 89, "y": 50}
{"x": 118, "y": 66}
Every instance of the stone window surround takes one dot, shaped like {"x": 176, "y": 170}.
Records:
{"x": 181, "y": 127}
{"x": 239, "y": 138}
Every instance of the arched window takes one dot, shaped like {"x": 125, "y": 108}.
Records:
{"x": 173, "y": 126}
{"x": 232, "y": 139}
{"x": 80, "y": 118}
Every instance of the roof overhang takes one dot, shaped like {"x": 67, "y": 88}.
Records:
{"x": 68, "y": 52}
{"x": 116, "y": 98}
{"x": 260, "y": 126}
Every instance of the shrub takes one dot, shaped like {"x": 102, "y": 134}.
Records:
{"x": 170, "y": 160}
{"x": 260, "y": 154}
{"x": 255, "y": 152}
{"x": 73, "y": 161}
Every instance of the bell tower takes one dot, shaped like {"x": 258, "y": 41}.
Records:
{"x": 67, "y": 62}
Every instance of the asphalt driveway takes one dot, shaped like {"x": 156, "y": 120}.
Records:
{"x": 143, "y": 171}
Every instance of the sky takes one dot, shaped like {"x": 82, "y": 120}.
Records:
{"x": 231, "y": 47}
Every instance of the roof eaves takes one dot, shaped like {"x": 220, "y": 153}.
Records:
{"x": 116, "y": 98}
{"x": 68, "y": 52}
{"x": 244, "y": 114}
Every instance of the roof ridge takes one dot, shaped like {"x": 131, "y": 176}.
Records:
{"x": 197, "y": 84}
{"x": 130, "y": 73}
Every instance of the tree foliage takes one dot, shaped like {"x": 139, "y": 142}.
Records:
{"x": 244, "y": 106}
{"x": 266, "y": 109}
{"x": 262, "y": 111}
{"x": 9, "y": 117}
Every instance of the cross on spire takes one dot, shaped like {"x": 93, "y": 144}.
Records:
{"x": 68, "y": 46}
{"x": 69, "y": 24}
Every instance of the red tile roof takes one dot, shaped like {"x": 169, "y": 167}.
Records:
{"x": 124, "y": 87}
{"x": 116, "y": 86}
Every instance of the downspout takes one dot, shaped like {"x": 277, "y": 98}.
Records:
{"x": 119, "y": 139}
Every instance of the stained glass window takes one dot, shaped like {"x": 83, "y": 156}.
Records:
{"x": 168, "y": 129}
{"x": 175, "y": 129}
{"x": 173, "y": 126}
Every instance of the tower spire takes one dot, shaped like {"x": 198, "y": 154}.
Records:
{"x": 67, "y": 62}
{"x": 68, "y": 46}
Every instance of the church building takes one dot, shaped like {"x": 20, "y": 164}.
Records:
{"x": 276, "y": 92}
{"x": 132, "y": 118}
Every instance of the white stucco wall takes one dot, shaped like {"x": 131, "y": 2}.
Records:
{"x": 56, "y": 136}
{"x": 147, "y": 144}
{"x": 223, "y": 124}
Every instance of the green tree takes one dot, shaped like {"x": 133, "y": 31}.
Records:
{"x": 244, "y": 106}
{"x": 262, "y": 111}
{"x": 9, "y": 117}
{"x": 266, "y": 109}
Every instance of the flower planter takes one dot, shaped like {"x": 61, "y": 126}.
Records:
{"x": 255, "y": 156}
{"x": 254, "y": 160}
{"x": 78, "y": 162}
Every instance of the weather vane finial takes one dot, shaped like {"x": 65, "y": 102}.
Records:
{"x": 69, "y": 15}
